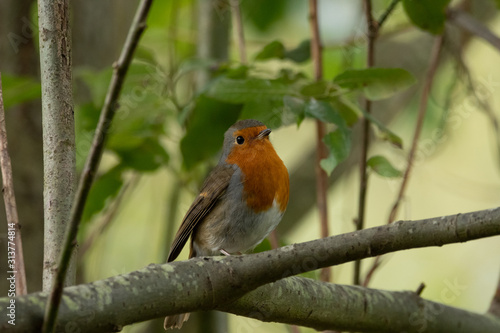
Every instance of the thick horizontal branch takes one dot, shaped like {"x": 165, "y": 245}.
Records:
{"x": 326, "y": 306}
{"x": 207, "y": 282}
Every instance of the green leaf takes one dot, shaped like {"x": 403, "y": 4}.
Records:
{"x": 317, "y": 89}
{"x": 347, "y": 110}
{"x": 376, "y": 83}
{"x": 273, "y": 50}
{"x": 383, "y": 167}
{"x": 244, "y": 91}
{"x": 338, "y": 143}
{"x": 270, "y": 112}
{"x": 323, "y": 111}
{"x": 296, "y": 107}
{"x": 97, "y": 82}
{"x": 148, "y": 156}
{"x": 104, "y": 188}
{"x": 383, "y": 132}
{"x": 209, "y": 120}
{"x": 301, "y": 53}
{"x": 262, "y": 14}
{"x": 19, "y": 89}
{"x": 429, "y": 15}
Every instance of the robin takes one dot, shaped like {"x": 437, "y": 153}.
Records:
{"x": 240, "y": 203}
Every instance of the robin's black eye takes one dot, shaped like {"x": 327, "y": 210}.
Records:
{"x": 240, "y": 140}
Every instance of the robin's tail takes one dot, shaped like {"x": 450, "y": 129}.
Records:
{"x": 175, "y": 321}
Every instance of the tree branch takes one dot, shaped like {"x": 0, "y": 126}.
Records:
{"x": 321, "y": 150}
{"x": 372, "y": 32}
{"x": 465, "y": 21}
{"x": 15, "y": 252}
{"x": 94, "y": 157}
{"x": 326, "y": 306}
{"x": 59, "y": 159}
{"x": 207, "y": 282}
{"x": 424, "y": 99}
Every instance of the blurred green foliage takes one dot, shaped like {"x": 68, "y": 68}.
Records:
{"x": 429, "y": 15}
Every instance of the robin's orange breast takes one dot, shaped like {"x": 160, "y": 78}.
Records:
{"x": 265, "y": 176}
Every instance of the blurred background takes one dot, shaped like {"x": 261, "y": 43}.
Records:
{"x": 150, "y": 172}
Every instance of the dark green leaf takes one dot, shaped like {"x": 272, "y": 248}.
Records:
{"x": 339, "y": 145}
{"x": 19, "y": 89}
{"x": 296, "y": 107}
{"x": 429, "y": 15}
{"x": 323, "y": 111}
{"x": 273, "y": 50}
{"x": 262, "y": 14}
{"x": 97, "y": 82}
{"x": 383, "y": 167}
{"x": 148, "y": 156}
{"x": 301, "y": 53}
{"x": 239, "y": 72}
{"x": 244, "y": 91}
{"x": 104, "y": 188}
{"x": 270, "y": 112}
{"x": 318, "y": 89}
{"x": 209, "y": 120}
{"x": 376, "y": 83}
{"x": 347, "y": 110}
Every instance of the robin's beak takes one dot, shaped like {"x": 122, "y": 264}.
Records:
{"x": 264, "y": 133}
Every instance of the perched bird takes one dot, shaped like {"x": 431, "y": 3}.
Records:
{"x": 242, "y": 200}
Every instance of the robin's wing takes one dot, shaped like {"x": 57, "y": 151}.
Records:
{"x": 214, "y": 187}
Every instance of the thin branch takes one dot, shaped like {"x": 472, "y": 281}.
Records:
{"x": 372, "y": 32}
{"x": 436, "y": 51}
{"x": 93, "y": 159}
{"x": 236, "y": 10}
{"x": 495, "y": 301}
{"x": 470, "y": 24}
{"x": 109, "y": 304}
{"x": 15, "y": 258}
{"x": 434, "y": 62}
{"x": 321, "y": 150}
{"x": 420, "y": 289}
{"x": 386, "y": 13}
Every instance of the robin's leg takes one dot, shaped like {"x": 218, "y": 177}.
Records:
{"x": 224, "y": 252}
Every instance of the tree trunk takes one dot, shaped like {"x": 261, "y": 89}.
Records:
{"x": 58, "y": 132}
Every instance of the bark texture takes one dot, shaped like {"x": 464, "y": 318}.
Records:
{"x": 58, "y": 131}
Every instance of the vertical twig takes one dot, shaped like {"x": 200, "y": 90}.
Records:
{"x": 9, "y": 198}
{"x": 387, "y": 12}
{"x": 235, "y": 8}
{"x": 372, "y": 32}
{"x": 93, "y": 159}
{"x": 59, "y": 159}
{"x": 321, "y": 151}
{"x": 424, "y": 98}
{"x": 495, "y": 301}
{"x": 436, "y": 51}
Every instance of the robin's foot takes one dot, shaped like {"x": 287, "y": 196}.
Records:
{"x": 224, "y": 252}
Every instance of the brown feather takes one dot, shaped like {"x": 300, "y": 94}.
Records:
{"x": 214, "y": 187}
